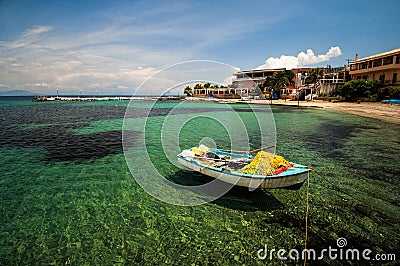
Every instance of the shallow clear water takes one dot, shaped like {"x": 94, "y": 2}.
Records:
{"x": 67, "y": 196}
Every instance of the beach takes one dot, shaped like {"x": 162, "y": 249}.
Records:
{"x": 377, "y": 110}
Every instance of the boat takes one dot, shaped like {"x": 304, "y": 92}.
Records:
{"x": 228, "y": 167}
{"x": 392, "y": 101}
{"x": 245, "y": 100}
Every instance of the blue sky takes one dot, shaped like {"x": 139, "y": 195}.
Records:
{"x": 113, "y": 46}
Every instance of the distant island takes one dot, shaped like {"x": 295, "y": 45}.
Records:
{"x": 17, "y": 93}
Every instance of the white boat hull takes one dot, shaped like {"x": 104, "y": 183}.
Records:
{"x": 291, "y": 178}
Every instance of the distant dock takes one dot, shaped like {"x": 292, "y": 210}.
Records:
{"x": 104, "y": 98}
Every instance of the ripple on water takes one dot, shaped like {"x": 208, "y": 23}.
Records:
{"x": 69, "y": 198}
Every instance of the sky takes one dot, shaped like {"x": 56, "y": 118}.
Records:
{"x": 111, "y": 47}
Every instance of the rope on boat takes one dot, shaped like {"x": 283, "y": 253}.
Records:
{"x": 252, "y": 151}
{"x": 307, "y": 211}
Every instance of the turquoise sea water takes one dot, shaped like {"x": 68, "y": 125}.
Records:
{"x": 68, "y": 197}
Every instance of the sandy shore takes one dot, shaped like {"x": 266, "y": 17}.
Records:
{"x": 377, "y": 110}
{"x": 386, "y": 112}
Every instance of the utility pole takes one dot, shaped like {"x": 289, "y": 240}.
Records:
{"x": 272, "y": 94}
{"x": 298, "y": 97}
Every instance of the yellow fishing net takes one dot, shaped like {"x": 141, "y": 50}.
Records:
{"x": 265, "y": 163}
{"x": 201, "y": 150}
{"x": 196, "y": 151}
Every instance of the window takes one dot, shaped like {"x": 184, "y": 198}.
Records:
{"x": 377, "y": 62}
{"x": 382, "y": 78}
{"x": 354, "y": 67}
{"x": 398, "y": 59}
{"x": 388, "y": 60}
{"x": 394, "y": 79}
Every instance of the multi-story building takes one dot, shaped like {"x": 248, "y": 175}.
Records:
{"x": 221, "y": 93}
{"x": 245, "y": 82}
{"x": 383, "y": 68}
{"x": 299, "y": 76}
{"x": 332, "y": 79}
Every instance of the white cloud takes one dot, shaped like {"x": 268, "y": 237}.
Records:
{"x": 95, "y": 85}
{"x": 66, "y": 65}
{"x": 6, "y": 60}
{"x": 140, "y": 71}
{"x": 122, "y": 87}
{"x": 310, "y": 58}
{"x": 122, "y": 51}
{"x": 302, "y": 59}
{"x": 42, "y": 84}
{"x": 228, "y": 81}
{"x": 36, "y": 30}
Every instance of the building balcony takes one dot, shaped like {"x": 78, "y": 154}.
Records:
{"x": 332, "y": 81}
{"x": 248, "y": 78}
{"x": 381, "y": 62}
{"x": 362, "y": 70}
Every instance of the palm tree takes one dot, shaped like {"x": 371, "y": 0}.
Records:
{"x": 188, "y": 91}
{"x": 198, "y": 87}
{"x": 279, "y": 80}
{"x": 314, "y": 74}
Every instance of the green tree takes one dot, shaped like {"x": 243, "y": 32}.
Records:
{"x": 314, "y": 74}
{"x": 279, "y": 80}
{"x": 188, "y": 91}
{"x": 290, "y": 76}
{"x": 358, "y": 88}
{"x": 207, "y": 85}
{"x": 389, "y": 92}
{"x": 198, "y": 86}
{"x": 261, "y": 86}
